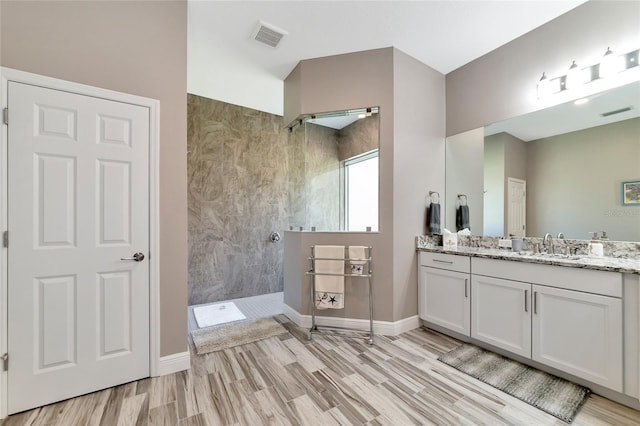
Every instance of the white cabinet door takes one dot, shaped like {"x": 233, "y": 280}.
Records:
{"x": 501, "y": 313}
{"x": 445, "y": 299}
{"x": 579, "y": 333}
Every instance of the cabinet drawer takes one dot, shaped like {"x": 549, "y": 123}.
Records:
{"x": 585, "y": 280}
{"x": 450, "y": 262}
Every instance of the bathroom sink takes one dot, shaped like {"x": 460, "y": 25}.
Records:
{"x": 555, "y": 256}
{"x": 566, "y": 256}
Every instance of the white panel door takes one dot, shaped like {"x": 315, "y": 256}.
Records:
{"x": 77, "y": 203}
{"x": 501, "y": 313}
{"x": 579, "y": 333}
{"x": 445, "y": 299}
{"x": 517, "y": 207}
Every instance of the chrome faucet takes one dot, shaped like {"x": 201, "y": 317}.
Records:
{"x": 561, "y": 236}
{"x": 547, "y": 242}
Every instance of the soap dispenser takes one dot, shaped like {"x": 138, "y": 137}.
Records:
{"x": 595, "y": 246}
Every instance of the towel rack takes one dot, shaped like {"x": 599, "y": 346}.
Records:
{"x": 460, "y": 199}
{"x": 312, "y": 274}
{"x": 437, "y": 196}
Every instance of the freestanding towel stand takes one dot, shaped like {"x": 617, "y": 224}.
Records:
{"x": 368, "y": 275}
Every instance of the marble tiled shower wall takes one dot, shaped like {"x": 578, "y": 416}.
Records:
{"x": 322, "y": 178}
{"x": 238, "y": 189}
{"x": 249, "y": 176}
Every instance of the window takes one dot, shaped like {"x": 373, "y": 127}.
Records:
{"x": 361, "y": 192}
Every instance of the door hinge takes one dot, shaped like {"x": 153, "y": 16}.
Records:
{"x": 5, "y": 239}
{"x": 5, "y": 116}
{"x": 5, "y": 362}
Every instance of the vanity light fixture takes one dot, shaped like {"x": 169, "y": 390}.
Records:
{"x": 610, "y": 65}
{"x": 362, "y": 115}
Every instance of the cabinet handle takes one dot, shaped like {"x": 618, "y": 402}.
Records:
{"x": 448, "y": 262}
{"x": 535, "y": 302}
{"x": 526, "y": 293}
{"x": 466, "y": 283}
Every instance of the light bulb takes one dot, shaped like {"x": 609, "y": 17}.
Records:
{"x": 573, "y": 78}
{"x": 544, "y": 87}
{"x": 610, "y": 64}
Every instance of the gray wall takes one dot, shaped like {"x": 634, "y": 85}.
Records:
{"x": 137, "y": 47}
{"x": 493, "y": 186}
{"x": 574, "y": 182}
{"x": 411, "y": 100}
{"x": 297, "y": 293}
{"x": 238, "y": 181}
{"x": 418, "y": 167}
{"x": 502, "y": 83}
{"x": 504, "y": 157}
{"x": 465, "y": 175}
{"x": 331, "y": 84}
{"x": 515, "y": 166}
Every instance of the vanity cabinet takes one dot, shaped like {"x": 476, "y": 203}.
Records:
{"x": 501, "y": 313}
{"x": 569, "y": 319}
{"x": 444, "y": 291}
{"x": 580, "y": 333}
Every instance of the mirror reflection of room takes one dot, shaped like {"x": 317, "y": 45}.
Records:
{"x": 557, "y": 170}
{"x": 334, "y": 184}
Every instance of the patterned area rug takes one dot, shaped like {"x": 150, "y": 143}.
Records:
{"x": 551, "y": 394}
{"x": 226, "y": 336}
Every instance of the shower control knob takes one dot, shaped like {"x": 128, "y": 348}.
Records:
{"x": 274, "y": 237}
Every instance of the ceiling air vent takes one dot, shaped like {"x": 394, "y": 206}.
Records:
{"x": 617, "y": 111}
{"x": 268, "y": 34}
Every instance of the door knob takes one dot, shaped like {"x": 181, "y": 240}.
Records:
{"x": 138, "y": 257}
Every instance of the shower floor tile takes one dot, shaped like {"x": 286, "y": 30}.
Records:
{"x": 254, "y": 307}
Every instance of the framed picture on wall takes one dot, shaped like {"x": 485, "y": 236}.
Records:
{"x": 631, "y": 193}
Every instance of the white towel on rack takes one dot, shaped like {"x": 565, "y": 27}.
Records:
{"x": 357, "y": 252}
{"x": 329, "y": 292}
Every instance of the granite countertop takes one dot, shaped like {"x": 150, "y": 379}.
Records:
{"x": 624, "y": 265}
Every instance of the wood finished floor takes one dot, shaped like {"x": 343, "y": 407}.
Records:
{"x": 287, "y": 380}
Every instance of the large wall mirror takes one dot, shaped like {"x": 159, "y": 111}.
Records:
{"x": 558, "y": 170}
{"x": 333, "y": 157}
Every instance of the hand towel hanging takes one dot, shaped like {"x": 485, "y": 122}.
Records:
{"x": 433, "y": 219}
{"x": 357, "y": 259}
{"x": 462, "y": 218}
{"x": 329, "y": 291}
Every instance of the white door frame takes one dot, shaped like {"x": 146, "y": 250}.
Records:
{"x": 8, "y": 74}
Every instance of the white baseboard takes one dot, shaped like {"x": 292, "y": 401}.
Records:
{"x": 386, "y": 328}
{"x": 173, "y": 363}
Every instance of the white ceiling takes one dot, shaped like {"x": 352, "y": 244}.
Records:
{"x": 225, "y": 64}
{"x": 569, "y": 117}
